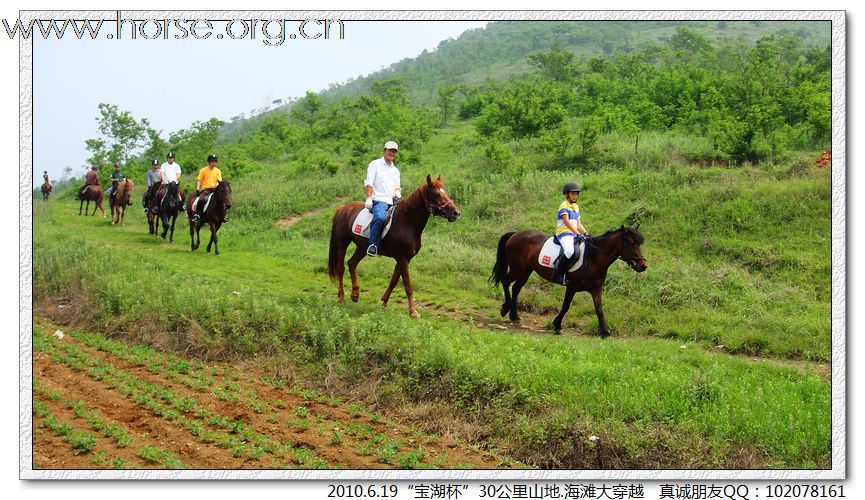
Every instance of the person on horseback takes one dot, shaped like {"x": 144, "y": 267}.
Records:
{"x": 569, "y": 230}
{"x": 208, "y": 178}
{"x": 154, "y": 179}
{"x": 45, "y": 177}
{"x": 382, "y": 186}
{"x": 91, "y": 179}
{"x": 170, "y": 173}
{"x": 116, "y": 178}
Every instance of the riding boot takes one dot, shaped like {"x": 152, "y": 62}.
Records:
{"x": 561, "y": 275}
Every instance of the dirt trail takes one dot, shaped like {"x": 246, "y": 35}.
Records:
{"x": 211, "y": 416}
{"x": 294, "y": 219}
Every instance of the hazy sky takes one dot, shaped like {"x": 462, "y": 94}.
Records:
{"x": 175, "y": 82}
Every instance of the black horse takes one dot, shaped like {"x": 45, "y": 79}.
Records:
{"x": 517, "y": 257}
{"x": 170, "y": 201}
{"x": 213, "y": 215}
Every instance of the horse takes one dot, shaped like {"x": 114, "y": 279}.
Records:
{"x": 517, "y": 257}
{"x": 168, "y": 205}
{"x": 213, "y": 215}
{"x": 152, "y": 209}
{"x": 93, "y": 193}
{"x": 46, "y": 190}
{"x": 402, "y": 242}
{"x": 121, "y": 198}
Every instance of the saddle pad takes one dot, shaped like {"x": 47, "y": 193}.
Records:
{"x": 550, "y": 253}
{"x": 364, "y": 219}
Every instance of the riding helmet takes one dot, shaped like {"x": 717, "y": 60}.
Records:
{"x": 211, "y": 158}
{"x": 155, "y": 162}
{"x": 170, "y": 155}
{"x": 571, "y": 186}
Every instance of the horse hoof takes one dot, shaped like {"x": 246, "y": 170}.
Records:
{"x": 505, "y": 309}
{"x": 605, "y": 334}
{"x": 354, "y": 297}
{"x": 414, "y": 314}
{"x": 515, "y": 318}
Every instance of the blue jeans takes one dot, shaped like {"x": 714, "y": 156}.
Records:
{"x": 379, "y": 212}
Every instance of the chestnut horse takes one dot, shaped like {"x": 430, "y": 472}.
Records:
{"x": 213, "y": 216}
{"x": 119, "y": 201}
{"x": 517, "y": 257}
{"x": 95, "y": 194}
{"x": 401, "y": 243}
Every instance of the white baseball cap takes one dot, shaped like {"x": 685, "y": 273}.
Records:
{"x": 391, "y": 145}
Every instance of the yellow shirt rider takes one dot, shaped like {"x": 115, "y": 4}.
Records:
{"x": 208, "y": 178}
{"x": 569, "y": 230}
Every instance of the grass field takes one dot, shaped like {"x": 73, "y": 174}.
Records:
{"x": 719, "y": 351}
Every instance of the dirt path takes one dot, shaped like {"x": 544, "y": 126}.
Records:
{"x": 181, "y": 413}
{"x": 294, "y": 219}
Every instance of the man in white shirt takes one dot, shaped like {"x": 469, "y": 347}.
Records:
{"x": 382, "y": 185}
{"x": 170, "y": 173}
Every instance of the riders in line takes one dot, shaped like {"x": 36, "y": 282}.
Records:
{"x": 382, "y": 186}
{"x": 569, "y": 230}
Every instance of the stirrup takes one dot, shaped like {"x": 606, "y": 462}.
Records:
{"x": 372, "y": 251}
{"x": 196, "y": 217}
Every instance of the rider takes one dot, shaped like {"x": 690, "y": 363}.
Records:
{"x": 45, "y": 177}
{"x": 92, "y": 179}
{"x": 116, "y": 177}
{"x": 154, "y": 179}
{"x": 568, "y": 228}
{"x": 170, "y": 173}
{"x": 382, "y": 185}
{"x": 208, "y": 178}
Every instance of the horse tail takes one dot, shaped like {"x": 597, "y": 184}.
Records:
{"x": 335, "y": 244}
{"x": 500, "y": 269}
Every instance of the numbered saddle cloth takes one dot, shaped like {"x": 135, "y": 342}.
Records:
{"x": 552, "y": 252}
{"x": 364, "y": 219}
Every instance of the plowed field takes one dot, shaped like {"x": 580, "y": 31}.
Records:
{"x": 99, "y": 403}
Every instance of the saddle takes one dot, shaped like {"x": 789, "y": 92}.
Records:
{"x": 206, "y": 201}
{"x": 361, "y": 223}
{"x": 552, "y": 252}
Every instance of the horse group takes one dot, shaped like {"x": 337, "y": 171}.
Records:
{"x": 163, "y": 207}
{"x": 166, "y": 204}
{"x": 516, "y": 256}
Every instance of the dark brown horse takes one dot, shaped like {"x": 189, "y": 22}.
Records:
{"x": 213, "y": 215}
{"x": 95, "y": 194}
{"x": 46, "y": 190}
{"x": 119, "y": 201}
{"x": 517, "y": 257}
{"x": 152, "y": 210}
{"x": 401, "y": 243}
{"x": 169, "y": 201}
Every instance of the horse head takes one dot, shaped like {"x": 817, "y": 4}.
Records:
{"x": 437, "y": 201}
{"x": 631, "y": 253}
{"x": 223, "y": 193}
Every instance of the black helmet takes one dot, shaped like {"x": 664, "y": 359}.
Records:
{"x": 571, "y": 186}
{"x": 155, "y": 162}
{"x": 170, "y": 155}
{"x": 211, "y": 158}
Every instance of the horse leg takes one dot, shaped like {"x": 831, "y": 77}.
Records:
{"x": 81, "y": 205}
{"x": 409, "y": 291}
{"x": 393, "y": 281}
{"x": 599, "y": 310}
{"x": 340, "y": 269}
{"x": 173, "y": 220}
{"x": 569, "y": 297}
{"x": 192, "y": 235}
{"x": 518, "y": 285}
{"x": 352, "y": 269}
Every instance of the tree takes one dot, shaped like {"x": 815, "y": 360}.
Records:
{"x": 308, "y": 108}
{"x": 445, "y": 102}
{"x": 122, "y": 136}
{"x": 557, "y": 64}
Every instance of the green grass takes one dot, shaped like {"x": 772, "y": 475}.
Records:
{"x": 739, "y": 263}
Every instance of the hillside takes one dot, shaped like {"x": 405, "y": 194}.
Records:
{"x": 720, "y": 351}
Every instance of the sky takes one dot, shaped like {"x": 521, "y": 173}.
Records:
{"x": 175, "y": 82}
{"x": 248, "y": 72}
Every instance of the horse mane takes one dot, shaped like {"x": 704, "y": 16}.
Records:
{"x": 410, "y": 200}
{"x": 638, "y": 236}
